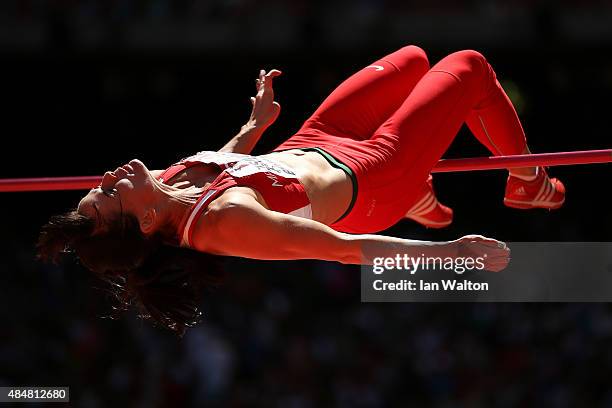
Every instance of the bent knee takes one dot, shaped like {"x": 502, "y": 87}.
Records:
{"x": 472, "y": 55}
{"x": 466, "y": 64}
{"x": 472, "y": 58}
{"x": 411, "y": 57}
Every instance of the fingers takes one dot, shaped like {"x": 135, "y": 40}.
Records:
{"x": 496, "y": 252}
{"x": 485, "y": 241}
{"x": 260, "y": 80}
{"x": 498, "y": 267}
{"x": 497, "y": 260}
{"x": 497, "y": 264}
{"x": 265, "y": 79}
{"x": 274, "y": 73}
{"x": 268, "y": 77}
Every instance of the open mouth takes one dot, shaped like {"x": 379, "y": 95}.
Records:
{"x": 128, "y": 168}
{"x": 124, "y": 171}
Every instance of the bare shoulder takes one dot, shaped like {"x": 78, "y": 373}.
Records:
{"x": 222, "y": 220}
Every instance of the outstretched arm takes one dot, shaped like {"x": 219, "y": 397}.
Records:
{"x": 264, "y": 113}
{"x": 243, "y": 227}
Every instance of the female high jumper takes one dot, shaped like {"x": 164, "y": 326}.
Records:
{"x": 357, "y": 166}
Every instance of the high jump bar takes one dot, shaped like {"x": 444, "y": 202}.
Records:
{"x": 443, "y": 166}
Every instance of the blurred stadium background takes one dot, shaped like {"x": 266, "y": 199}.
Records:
{"x": 88, "y": 85}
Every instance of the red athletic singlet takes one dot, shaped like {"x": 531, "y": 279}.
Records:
{"x": 279, "y": 186}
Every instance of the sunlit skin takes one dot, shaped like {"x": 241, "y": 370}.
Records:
{"x": 135, "y": 190}
{"x": 129, "y": 189}
{"x": 242, "y": 211}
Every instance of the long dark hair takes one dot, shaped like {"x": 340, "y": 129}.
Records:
{"x": 163, "y": 283}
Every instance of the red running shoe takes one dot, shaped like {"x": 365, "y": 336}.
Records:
{"x": 428, "y": 211}
{"x": 542, "y": 192}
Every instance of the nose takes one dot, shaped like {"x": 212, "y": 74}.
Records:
{"x": 108, "y": 181}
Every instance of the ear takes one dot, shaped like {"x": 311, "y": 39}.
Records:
{"x": 148, "y": 221}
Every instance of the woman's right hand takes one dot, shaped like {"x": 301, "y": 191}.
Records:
{"x": 265, "y": 108}
{"x": 495, "y": 254}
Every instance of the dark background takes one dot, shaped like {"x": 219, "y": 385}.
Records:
{"x": 89, "y": 85}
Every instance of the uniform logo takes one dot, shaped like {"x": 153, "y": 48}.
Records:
{"x": 371, "y": 208}
{"x": 275, "y": 182}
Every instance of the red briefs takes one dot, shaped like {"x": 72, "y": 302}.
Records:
{"x": 392, "y": 121}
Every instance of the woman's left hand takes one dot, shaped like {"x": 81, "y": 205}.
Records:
{"x": 265, "y": 109}
{"x": 495, "y": 254}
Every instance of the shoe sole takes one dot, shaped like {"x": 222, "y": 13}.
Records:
{"x": 527, "y": 205}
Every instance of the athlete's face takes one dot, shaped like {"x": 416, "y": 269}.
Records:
{"x": 126, "y": 190}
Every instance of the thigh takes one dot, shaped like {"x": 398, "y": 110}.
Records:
{"x": 358, "y": 106}
{"x": 404, "y": 149}
{"x": 418, "y": 133}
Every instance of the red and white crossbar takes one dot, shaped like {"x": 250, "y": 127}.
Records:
{"x": 443, "y": 166}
